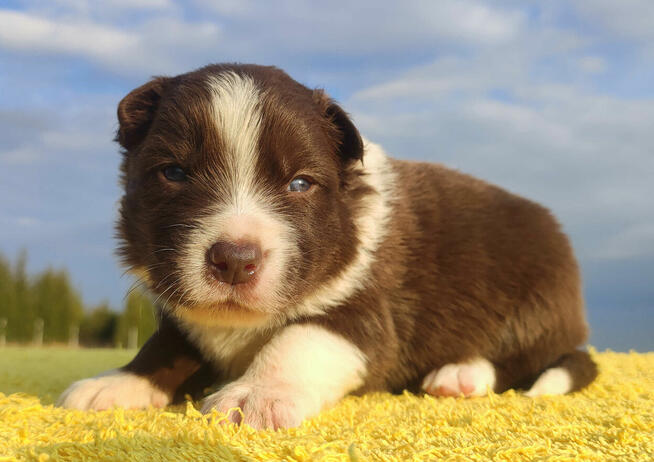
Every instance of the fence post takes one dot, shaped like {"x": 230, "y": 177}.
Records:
{"x": 73, "y": 336}
{"x": 3, "y": 332}
{"x": 38, "y": 332}
{"x": 133, "y": 338}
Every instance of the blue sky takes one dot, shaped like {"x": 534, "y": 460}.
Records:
{"x": 552, "y": 100}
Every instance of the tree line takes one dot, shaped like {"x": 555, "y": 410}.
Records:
{"x": 48, "y": 301}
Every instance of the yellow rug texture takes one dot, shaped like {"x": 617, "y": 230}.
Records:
{"x": 611, "y": 420}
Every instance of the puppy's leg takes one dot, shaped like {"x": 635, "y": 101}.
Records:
{"x": 166, "y": 368}
{"x": 571, "y": 372}
{"x": 300, "y": 370}
{"x": 470, "y": 378}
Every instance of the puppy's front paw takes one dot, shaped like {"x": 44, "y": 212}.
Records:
{"x": 112, "y": 389}
{"x": 264, "y": 405}
{"x": 470, "y": 379}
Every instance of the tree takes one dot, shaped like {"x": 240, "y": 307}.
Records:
{"x": 7, "y": 292}
{"x": 99, "y": 327}
{"x": 139, "y": 312}
{"x": 50, "y": 296}
{"x": 57, "y": 303}
{"x": 20, "y": 326}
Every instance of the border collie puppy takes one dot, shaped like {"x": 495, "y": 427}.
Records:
{"x": 296, "y": 262}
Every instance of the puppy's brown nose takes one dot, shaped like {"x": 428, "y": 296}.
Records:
{"x": 234, "y": 263}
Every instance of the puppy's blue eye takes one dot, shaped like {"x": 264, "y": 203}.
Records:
{"x": 174, "y": 173}
{"x": 299, "y": 184}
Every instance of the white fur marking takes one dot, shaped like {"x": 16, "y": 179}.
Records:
{"x": 238, "y": 118}
{"x": 554, "y": 381}
{"x": 371, "y": 230}
{"x": 231, "y": 349}
{"x": 264, "y": 228}
{"x": 299, "y": 371}
{"x": 244, "y": 210}
{"x": 113, "y": 388}
{"x": 473, "y": 378}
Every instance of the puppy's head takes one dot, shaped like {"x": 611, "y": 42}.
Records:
{"x": 241, "y": 192}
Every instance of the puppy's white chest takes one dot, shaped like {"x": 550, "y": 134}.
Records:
{"x": 230, "y": 349}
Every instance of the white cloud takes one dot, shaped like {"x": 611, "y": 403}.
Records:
{"x": 74, "y": 140}
{"x": 518, "y": 121}
{"x": 633, "y": 19}
{"x": 502, "y": 66}
{"x": 26, "y": 32}
{"x": 592, "y": 64}
{"x": 164, "y": 42}
{"x": 360, "y": 25}
{"x": 79, "y": 133}
{"x": 553, "y": 138}
{"x": 415, "y": 86}
{"x": 261, "y": 31}
{"x": 158, "y": 45}
{"x": 27, "y": 222}
{"x": 95, "y": 8}
{"x": 137, "y": 4}
{"x": 23, "y": 155}
{"x": 632, "y": 242}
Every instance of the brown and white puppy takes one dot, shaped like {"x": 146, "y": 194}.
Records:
{"x": 296, "y": 262}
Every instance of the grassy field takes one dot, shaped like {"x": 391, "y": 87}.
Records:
{"x": 46, "y": 372}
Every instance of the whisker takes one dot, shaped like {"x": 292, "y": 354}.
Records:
{"x": 167, "y": 289}
{"x": 136, "y": 284}
{"x": 181, "y": 299}
{"x": 148, "y": 268}
{"x": 164, "y": 250}
{"x": 172, "y": 273}
{"x": 170, "y": 296}
{"x": 181, "y": 225}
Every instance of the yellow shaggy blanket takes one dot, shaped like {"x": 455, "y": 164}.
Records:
{"x": 611, "y": 420}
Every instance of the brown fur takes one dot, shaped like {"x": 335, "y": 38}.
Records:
{"x": 467, "y": 269}
{"x": 495, "y": 278}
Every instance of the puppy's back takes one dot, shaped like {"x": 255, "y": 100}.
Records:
{"x": 483, "y": 273}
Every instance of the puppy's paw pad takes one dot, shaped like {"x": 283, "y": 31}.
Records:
{"x": 472, "y": 378}
{"x": 112, "y": 389}
{"x": 262, "y": 406}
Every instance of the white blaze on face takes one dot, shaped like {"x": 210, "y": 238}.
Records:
{"x": 243, "y": 210}
{"x": 236, "y": 113}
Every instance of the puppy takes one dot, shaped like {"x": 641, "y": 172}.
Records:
{"x": 295, "y": 262}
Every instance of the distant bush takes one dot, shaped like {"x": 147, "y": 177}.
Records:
{"x": 139, "y": 312}
{"x": 51, "y": 297}
{"x": 98, "y": 327}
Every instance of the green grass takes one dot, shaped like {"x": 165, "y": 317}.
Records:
{"x": 46, "y": 372}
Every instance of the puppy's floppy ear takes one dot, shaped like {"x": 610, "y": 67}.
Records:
{"x": 136, "y": 111}
{"x": 349, "y": 142}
